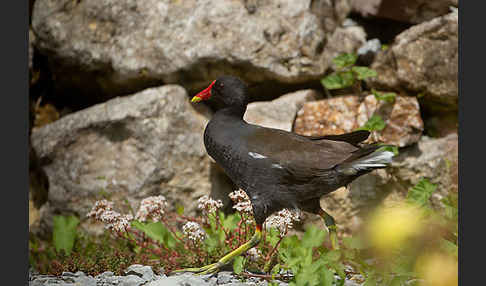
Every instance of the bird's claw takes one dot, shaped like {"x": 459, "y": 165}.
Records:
{"x": 208, "y": 269}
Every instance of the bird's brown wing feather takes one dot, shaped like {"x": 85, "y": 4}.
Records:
{"x": 354, "y": 137}
{"x": 298, "y": 153}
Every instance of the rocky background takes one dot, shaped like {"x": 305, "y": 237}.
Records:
{"x": 110, "y": 83}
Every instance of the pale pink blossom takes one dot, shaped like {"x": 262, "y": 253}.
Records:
{"x": 283, "y": 220}
{"x": 99, "y": 208}
{"x": 208, "y": 205}
{"x": 151, "y": 208}
{"x": 103, "y": 211}
{"x": 253, "y": 254}
{"x": 242, "y": 201}
{"x": 193, "y": 231}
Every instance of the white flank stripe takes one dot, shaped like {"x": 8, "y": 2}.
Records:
{"x": 256, "y": 155}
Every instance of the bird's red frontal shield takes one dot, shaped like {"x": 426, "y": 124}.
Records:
{"x": 203, "y": 95}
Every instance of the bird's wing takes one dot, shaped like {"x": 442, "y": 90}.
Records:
{"x": 354, "y": 137}
{"x": 298, "y": 153}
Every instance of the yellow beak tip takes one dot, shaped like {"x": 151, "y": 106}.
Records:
{"x": 196, "y": 99}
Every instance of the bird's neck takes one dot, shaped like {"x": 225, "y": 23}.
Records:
{"x": 235, "y": 111}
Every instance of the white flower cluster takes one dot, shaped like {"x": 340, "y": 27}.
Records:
{"x": 253, "y": 254}
{"x": 103, "y": 211}
{"x": 242, "y": 201}
{"x": 208, "y": 205}
{"x": 283, "y": 220}
{"x": 193, "y": 231}
{"x": 151, "y": 207}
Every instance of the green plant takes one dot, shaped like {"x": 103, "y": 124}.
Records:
{"x": 154, "y": 238}
{"x": 384, "y": 96}
{"x": 374, "y": 123}
{"x": 64, "y": 233}
{"x": 421, "y": 192}
{"x": 347, "y": 74}
{"x": 91, "y": 254}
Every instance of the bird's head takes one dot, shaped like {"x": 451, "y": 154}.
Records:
{"x": 227, "y": 90}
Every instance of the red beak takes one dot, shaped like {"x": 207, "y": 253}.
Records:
{"x": 203, "y": 95}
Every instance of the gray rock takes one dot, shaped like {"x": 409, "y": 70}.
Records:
{"x": 279, "y": 113}
{"x": 105, "y": 274}
{"x": 432, "y": 158}
{"x": 411, "y": 11}
{"x": 128, "y": 148}
{"x": 423, "y": 60}
{"x": 186, "y": 279}
{"x": 132, "y": 280}
{"x": 144, "y": 272}
{"x": 85, "y": 281}
{"x": 344, "y": 40}
{"x": 367, "y": 52}
{"x": 117, "y": 47}
{"x": 225, "y": 277}
{"x": 66, "y": 279}
{"x": 351, "y": 283}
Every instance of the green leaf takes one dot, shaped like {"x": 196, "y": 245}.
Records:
{"x": 231, "y": 221}
{"x": 384, "y": 96}
{"x": 313, "y": 237}
{"x": 421, "y": 192}
{"x": 364, "y": 72}
{"x": 327, "y": 277}
{"x": 345, "y": 60}
{"x": 353, "y": 242}
{"x": 450, "y": 204}
{"x": 156, "y": 231}
{"x": 338, "y": 80}
{"x": 238, "y": 264}
{"x": 180, "y": 209}
{"x": 399, "y": 281}
{"x": 276, "y": 269}
{"x": 370, "y": 281}
{"x": 332, "y": 255}
{"x": 64, "y": 233}
{"x": 375, "y": 123}
{"x": 273, "y": 236}
{"x": 393, "y": 149}
{"x": 449, "y": 247}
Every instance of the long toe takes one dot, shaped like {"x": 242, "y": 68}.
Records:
{"x": 213, "y": 268}
{"x": 198, "y": 270}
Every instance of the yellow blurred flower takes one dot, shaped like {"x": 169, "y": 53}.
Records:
{"x": 391, "y": 227}
{"x": 437, "y": 270}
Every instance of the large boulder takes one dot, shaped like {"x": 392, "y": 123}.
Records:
{"x": 343, "y": 114}
{"x": 279, "y": 113}
{"x": 125, "y": 149}
{"x": 108, "y": 47}
{"x": 410, "y": 11}
{"x": 423, "y": 60}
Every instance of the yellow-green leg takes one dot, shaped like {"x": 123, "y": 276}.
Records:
{"x": 331, "y": 226}
{"x": 211, "y": 268}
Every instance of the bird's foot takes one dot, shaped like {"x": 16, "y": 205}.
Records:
{"x": 208, "y": 269}
{"x": 215, "y": 267}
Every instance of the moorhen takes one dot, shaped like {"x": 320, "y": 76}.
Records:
{"x": 280, "y": 169}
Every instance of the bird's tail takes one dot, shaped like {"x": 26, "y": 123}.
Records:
{"x": 374, "y": 157}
